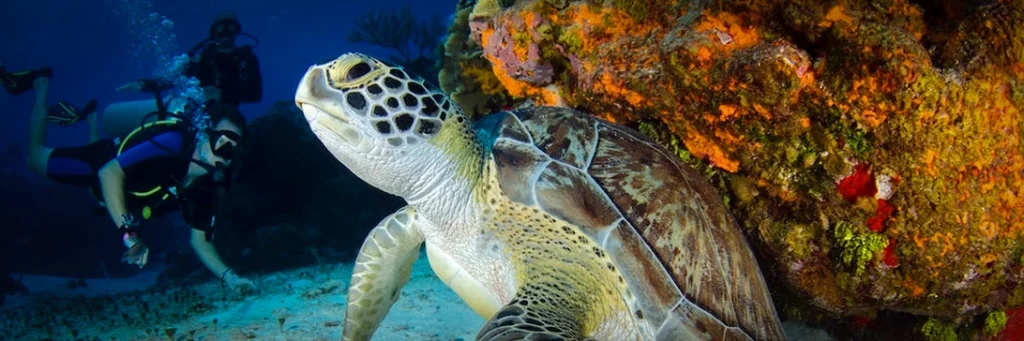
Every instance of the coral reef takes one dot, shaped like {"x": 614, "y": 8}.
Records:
{"x": 872, "y": 149}
{"x": 465, "y": 74}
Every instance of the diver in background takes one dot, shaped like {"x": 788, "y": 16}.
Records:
{"x": 229, "y": 73}
{"x": 157, "y": 168}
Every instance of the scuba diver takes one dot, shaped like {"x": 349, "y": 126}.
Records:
{"x": 228, "y": 73}
{"x": 163, "y": 165}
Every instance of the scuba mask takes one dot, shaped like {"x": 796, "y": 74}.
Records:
{"x": 223, "y": 32}
{"x": 226, "y": 28}
{"x": 223, "y": 143}
{"x": 225, "y": 150}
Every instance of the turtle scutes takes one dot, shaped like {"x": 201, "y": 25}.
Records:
{"x": 551, "y": 224}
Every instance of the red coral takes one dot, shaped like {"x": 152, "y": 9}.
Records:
{"x": 889, "y": 257}
{"x": 859, "y": 184}
{"x": 1014, "y": 325}
{"x": 882, "y": 213}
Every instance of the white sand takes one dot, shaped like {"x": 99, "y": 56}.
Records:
{"x": 311, "y": 300}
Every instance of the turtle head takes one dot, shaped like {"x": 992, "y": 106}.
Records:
{"x": 378, "y": 120}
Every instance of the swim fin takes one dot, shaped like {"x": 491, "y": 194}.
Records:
{"x": 19, "y": 82}
{"x": 66, "y": 114}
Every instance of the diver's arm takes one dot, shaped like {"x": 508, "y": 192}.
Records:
{"x": 112, "y": 184}
{"x": 209, "y": 256}
{"x": 112, "y": 175}
{"x": 207, "y": 253}
{"x": 112, "y": 178}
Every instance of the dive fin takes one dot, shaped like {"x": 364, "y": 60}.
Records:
{"x": 66, "y": 114}
{"x": 19, "y": 82}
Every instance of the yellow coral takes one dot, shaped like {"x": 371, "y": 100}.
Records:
{"x": 484, "y": 9}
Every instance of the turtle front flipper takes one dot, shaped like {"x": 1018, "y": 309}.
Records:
{"x": 532, "y": 315}
{"x": 383, "y": 266}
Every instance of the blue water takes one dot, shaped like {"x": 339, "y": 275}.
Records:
{"x": 90, "y": 43}
{"x": 95, "y": 46}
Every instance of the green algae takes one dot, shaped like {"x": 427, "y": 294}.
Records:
{"x": 857, "y": 248}
{"x": 995, "y": 322}
{"x": 571, "y": 40}
{"x": 935, "y": 330}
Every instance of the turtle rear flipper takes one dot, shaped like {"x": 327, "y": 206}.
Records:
{"x": 383, "y": 266}
{"x": 530, "y": 317}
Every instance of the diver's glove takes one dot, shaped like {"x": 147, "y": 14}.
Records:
{"x": 235, "y": 282}
{"x": 138, "y": 252}
{"x": 147, "y": 85}
{"x": 66, "y": 114}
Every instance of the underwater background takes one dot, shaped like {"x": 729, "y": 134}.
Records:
{"x": 95, "y": 46}
{"x": 872, "y": 151}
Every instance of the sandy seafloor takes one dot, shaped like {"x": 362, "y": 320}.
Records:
{"x": 300, "y": 304}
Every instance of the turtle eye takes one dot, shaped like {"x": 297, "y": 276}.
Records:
{"x": 358, "y": 70}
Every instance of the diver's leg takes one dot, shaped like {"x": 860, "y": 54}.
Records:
{"x": 68, "y": 165}
{"x": 38, "y": 152}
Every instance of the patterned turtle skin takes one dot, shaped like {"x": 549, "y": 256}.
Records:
{"x": 549, "y": 222}
{"x": 664, "y": 226}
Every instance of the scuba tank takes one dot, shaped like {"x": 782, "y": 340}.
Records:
{"x": 120, "y": 119}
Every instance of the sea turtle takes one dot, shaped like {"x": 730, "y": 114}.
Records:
{"x": 551, "y": 223}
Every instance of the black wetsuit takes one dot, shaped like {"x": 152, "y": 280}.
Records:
{"x": 236, "y": 74}
{"x": 154, "y": 163}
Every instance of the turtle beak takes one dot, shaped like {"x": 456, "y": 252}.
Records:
{"x": 310, "y": 91}
{"x": 319, "y": 104}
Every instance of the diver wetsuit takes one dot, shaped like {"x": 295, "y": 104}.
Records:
{"x": 236, "y": 74}
{"x": 154, "y": 168}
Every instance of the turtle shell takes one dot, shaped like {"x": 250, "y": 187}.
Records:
{"x": 666, "y": 228}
